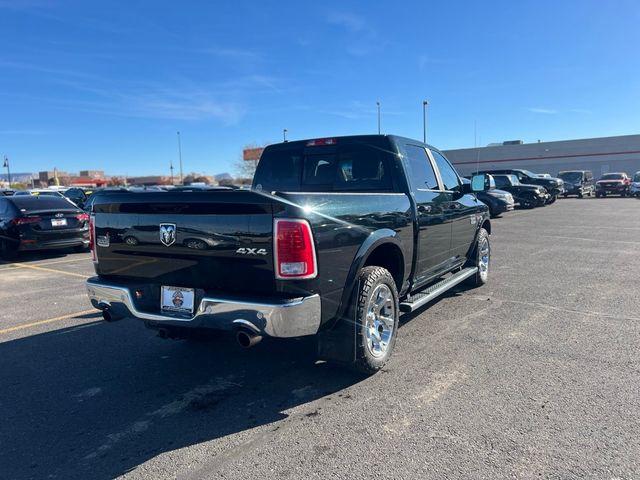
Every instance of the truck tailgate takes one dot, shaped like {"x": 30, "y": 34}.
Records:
{"x": 213, "y": 240}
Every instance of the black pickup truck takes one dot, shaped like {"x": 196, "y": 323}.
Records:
{"x": 336, "y": 237}
{"x": 555, "y": 186}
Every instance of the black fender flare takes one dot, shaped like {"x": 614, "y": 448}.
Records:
{"x": 373, "y": 241}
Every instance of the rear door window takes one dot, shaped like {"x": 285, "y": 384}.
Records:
{"x": 422, "y": 174}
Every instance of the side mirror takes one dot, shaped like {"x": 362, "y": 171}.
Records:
{"x": 481, "y": 183}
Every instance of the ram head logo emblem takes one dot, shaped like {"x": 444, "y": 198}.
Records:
{"x": 168, "y": 233}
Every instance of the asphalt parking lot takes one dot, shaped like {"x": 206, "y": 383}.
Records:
{"x": 535, "y": 375}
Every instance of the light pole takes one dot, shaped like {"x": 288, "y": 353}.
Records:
{"x": 180, "y": 158}
{"x": 378, "y": 105}
{"x": 424, "y": 120}
{"x": 171, "y": 168}
{"x": 6, "y": 165}
{"x": 284, "y": 134}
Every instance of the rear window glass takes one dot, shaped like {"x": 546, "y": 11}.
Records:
{"x": 41, "y": 202}
{"x": 347, "y": 167}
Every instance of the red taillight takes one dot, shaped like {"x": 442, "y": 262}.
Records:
{"x": 295, "y": 253}
{"x": 92, "y": 237}
{"x": 82, "y": 217}
{"x": 25, "y": 220}
{"x": 321, "y": 141}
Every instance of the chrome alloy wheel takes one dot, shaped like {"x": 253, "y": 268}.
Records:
{"x": 484, "y": 256}
{"x": 381, "y": 314}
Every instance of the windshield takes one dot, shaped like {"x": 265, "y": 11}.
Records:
{"x": 571, "y": 177}
{"x": 636, "y": 177}
{"x": 612, "y": 176}
{"x": 529, "y": 173}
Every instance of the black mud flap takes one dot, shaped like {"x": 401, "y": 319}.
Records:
{"x": 338, "y": 343}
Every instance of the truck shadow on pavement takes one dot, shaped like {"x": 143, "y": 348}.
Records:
{"x": 97, "y": 400}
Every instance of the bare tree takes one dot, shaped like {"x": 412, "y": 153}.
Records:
{"x": 246, "y": 168}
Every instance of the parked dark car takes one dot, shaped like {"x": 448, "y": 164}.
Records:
{"x": 617, "y": 183}
{"x": 41, "y": 222}
{"x": 577, "y": 182}
{"x": 554, "y": 186}
{"x": 498, "y": 201}
{"x": 286, "y": 263}
{"x": 527, "y": 196}
{"x": 76, "y": 195}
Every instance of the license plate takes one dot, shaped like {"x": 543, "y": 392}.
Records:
{"x": 58, "y": 222}
{"x": 177, "y": 299}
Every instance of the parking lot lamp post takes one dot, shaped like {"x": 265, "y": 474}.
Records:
{"x": 284, "y": 134}
{"x": 6, "y": 165}
{"x": 378, "y": 105}
{"x": 171, "y": 169}
{"x": 180, "y": 158}
{"x": 424, "y": 120}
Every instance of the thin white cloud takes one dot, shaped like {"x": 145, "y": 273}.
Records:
{"x": 349, "y": 21}
{"x": 359, "y": 110}
{"x": 173, "y": 99}
{"x": 544, "y": 111}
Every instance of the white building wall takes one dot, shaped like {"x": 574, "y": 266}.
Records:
{"x": 600, "y": 155}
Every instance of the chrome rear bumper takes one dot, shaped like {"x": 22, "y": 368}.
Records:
{"x": 281, "y": 318}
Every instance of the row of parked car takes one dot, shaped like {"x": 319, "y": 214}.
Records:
{"x": 55, "y": 218}
{"x": 530, "y": 190}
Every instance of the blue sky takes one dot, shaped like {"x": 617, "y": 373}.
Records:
{"x": 106, "y": 85}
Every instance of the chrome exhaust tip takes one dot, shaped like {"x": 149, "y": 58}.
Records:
{"x": 247, "y": 339}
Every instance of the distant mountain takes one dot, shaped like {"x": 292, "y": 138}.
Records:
{"x": 223, "y": 176}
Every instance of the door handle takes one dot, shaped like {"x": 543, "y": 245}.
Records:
{"x": 424, "y": 208}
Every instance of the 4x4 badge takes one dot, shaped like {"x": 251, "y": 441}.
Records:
{"x": 168, "y": 233}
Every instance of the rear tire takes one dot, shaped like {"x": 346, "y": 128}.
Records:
{"x": 377, "y": 319}
{"x": 552, "y": 199}
{"x": 481, "y": 258}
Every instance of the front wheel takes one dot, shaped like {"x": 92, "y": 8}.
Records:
{"x": 481, "y": 257}
{"x": 552, "y": 199}
{"x": 377, "y": 317}
{"x": 528, "y": 202}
